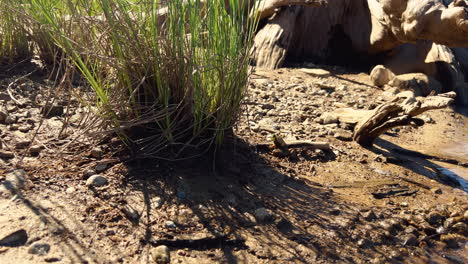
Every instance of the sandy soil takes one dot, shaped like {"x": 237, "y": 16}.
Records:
{"x": 385, "y": 204}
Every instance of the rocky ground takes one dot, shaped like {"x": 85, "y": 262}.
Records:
{"x": 65, "y": 202}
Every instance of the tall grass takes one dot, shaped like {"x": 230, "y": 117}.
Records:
{"x": 162, "y": 82}
{"x": 14, "y": 45}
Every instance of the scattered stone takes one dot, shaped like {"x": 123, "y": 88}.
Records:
{"x": 96, "y": 152}
{"x": 70, "y": 190}
{"x": 388, "y": 225}
{"x": 453, "y": 240}
{"x": 10, "y": 120}
{"x": 39, "y": 248}
{"x": 436, "y": 190}
{"x": 364, "y": 243}
{"x": 427, "y": 119}
{"x": 35, "y": 150}
{"x": 23, "y": 144}
{"x": 328, "y": 118}
{"x": 268, "y": 106}
{"x": 342, "y": 88}
{"x": 170, "y": 224}
{"x": 460, "y": 228}
{"x": 263, "y": 215}
{"x": 3, "y": 115}
{"x": 344, "y": 136}
{"x": 101, "y": 167}
{"x": 24, "y": 128}
{"x": 15, "y": 239}
{"x": 411, "y": 230}
{"x": 381, "y": 75}
{"x": 52, "y": 259}
{"x": 435, "y": 219}
{"x": 96, "y": 181}
{"x": 158, "y": 202}
{"x": 131, "y": 213}
{"x": 88, "y": 173}
{"x": 49, "y": 111}
{"x": 335, "y": 211}
{"x": 316, "y": 72}
{"x": 410, "y": 240}
{"x": 5, "y": 154}
{"x": 161, "y": 255}
{"x": 441, "y": 230}
{"x": 454, "y": 259}
{"x": 420, "y": 83}
{"x": 404, "y": 204}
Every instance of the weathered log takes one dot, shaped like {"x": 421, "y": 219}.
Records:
{"x": 272, "y": 42}
{"x": 398, "y": 112}
{"x": 266, "y": 8}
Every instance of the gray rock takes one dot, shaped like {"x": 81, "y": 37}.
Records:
{"x": 161, "y": 255}
{"x": 410, "y": 240}
{"x": 88, "y": 173}
{"x": 96, "y": 152}
{"x": 96, "y": 181}
{"x": 39, "y": 248}
{"x": 101, "y": 167}
{"x": 15, "y": 239}
{"x": 263, "y": 215}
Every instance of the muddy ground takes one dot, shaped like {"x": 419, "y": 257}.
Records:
{"x": 388, "y": 204}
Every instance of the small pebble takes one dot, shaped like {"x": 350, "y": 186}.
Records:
{"x": 39, "y": 248}
{"x": 96, "y": 181}
{"x": 262, "y": 215}
{"x": 170, "y": 224}
{"x": 161, "y": 255}
{"x": 96, "y": 152}
{"x": 410, "y": 240}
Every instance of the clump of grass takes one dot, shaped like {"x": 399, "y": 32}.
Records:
{"x": 163, "y": 82}
{"x": 14, "y": 44}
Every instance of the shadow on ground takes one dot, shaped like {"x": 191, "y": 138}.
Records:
{"x": 417, "y": 162}
{"x": 216, "y": 210}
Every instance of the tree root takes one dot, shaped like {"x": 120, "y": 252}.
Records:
{"x": 398, "y": 112}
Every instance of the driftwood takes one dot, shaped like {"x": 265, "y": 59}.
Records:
{"x": 398, "y": 112}
{"x": 272, "y": 42}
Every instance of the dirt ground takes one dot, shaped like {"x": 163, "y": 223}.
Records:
{"x": 388, "y": 204}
